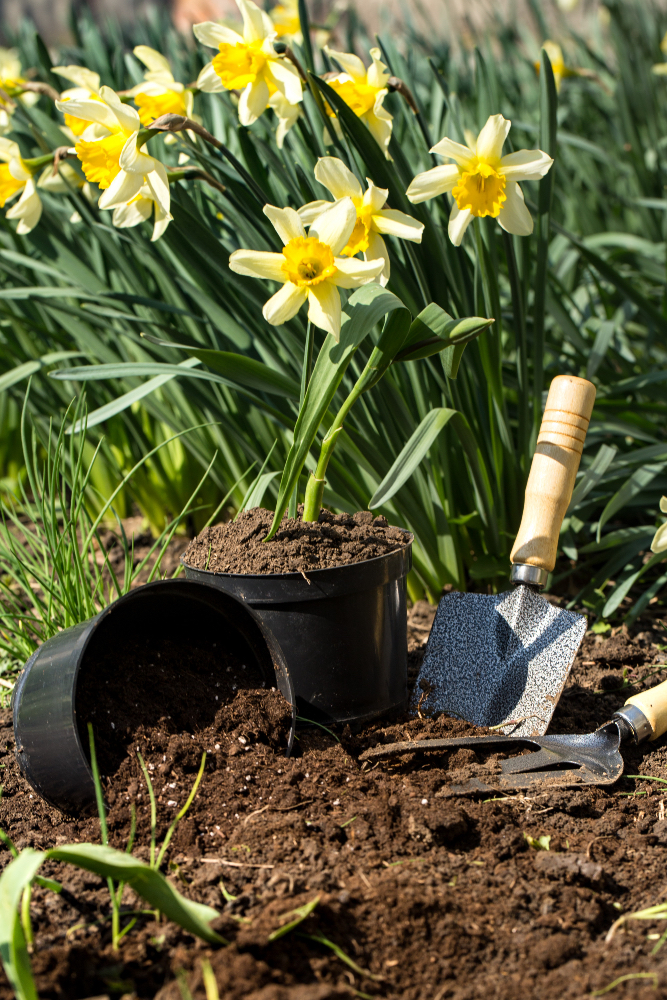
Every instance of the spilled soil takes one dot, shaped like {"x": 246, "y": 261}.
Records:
{"x": 336, "y": 539}
{"x": 419, "y": 895}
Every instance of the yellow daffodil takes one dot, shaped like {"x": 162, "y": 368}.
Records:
{"x": 373, "y": 219}
{"x": 139, "y": 209}
{"x": 286, "y": 22}
{"x": 659, "y": 543}
{"x": 482, "y": 181}
{"x": 364, "y": 90}
{"x": 109, "y": 154}
{"x": 158, "y": 93}
{"x": 10, "y": 82}
{"x": 309, "y": 267}
{"x": 557, "y": 60}
{"x": 248, "y": 63}
{"x": 15, "y": 177}
{"x": 86, "y": 88}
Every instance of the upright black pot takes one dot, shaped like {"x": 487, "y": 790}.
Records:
{"x": 48, "y": 744}
{"x": 343, "y": 631}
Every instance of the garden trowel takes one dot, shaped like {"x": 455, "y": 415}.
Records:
{"x": 502, "y": 660}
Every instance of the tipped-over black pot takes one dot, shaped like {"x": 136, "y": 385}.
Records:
{"x": 342, "y": 630}
{"x": 48, "y": 743}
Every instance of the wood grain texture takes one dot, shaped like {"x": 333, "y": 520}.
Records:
{"x": 653, "y": 704}
{"x": 553, "y": 470}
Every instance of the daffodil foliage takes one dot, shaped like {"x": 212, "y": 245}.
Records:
{"x": 273, "y": 225}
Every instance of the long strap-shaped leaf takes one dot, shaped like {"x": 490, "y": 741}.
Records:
{"x": 364, "y": 309}
{"x": 411, "y": 455}
{"x": 16, "y": 877}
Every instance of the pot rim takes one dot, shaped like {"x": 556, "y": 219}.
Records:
{"x": 298, "y": 574}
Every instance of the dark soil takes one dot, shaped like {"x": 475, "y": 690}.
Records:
{"x": 336, "y": 539}
{"x": 428, "y": 897}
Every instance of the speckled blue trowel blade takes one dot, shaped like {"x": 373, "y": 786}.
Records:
{"x": 491, "y": 659}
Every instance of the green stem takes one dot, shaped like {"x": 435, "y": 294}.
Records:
{"x": 315, "y": 488}
{"x": 25, "y": 916}
{"x": 305, "y": 380}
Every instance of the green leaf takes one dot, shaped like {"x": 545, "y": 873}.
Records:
{"x": 592, "y": 475}
{"x": 434, "y": 330}
{"x": 16, "y": 877}
{"x": 637, "y": 482}
{"x": 411, "y": 455}
{"x": 238, "y": 368}
{"x": 146, "y": 881}
{"x": 298, "y": 916}
{"x": 364, "y": 309}
{"x": 256, "y": 493}
{"x": 29, "y": 368}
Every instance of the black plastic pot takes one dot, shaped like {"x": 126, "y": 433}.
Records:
{"x": 48, "y": 743}
{"x": 343, "y": 631}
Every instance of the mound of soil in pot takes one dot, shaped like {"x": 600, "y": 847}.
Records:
{"x": 298, "y": 546}
{"x": 426, "y": 897}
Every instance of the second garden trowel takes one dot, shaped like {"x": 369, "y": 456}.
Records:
{"x": 502, "y": 660}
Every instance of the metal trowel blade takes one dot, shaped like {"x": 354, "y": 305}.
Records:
{"x": 499, "y": 660}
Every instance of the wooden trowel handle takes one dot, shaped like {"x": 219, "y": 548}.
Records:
{"x": 653, "y": 704}
{"x": 553, "y": 472}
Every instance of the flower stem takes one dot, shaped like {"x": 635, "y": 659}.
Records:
{"x": 305, "y": 380}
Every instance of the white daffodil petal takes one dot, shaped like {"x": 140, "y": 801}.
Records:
{"x": 284, "y": 305}
{"x": 158, "y": 182}
{"x": 79, "y": 75}
{"x": 514, "y": 217}
{"x": 288, "y": 115}
{"x": 334, "y": 227}
{"x": 18, "y": 171}
{"x": 255, "y": 28}
{"x": 433, "y": 182}
{"x": 127, "y": 117}
{"x": 162, "y": 220}
{"x": 324, "y": 308}
{"x": 391, "y": 222}
{"x": 253, "y": 101}
{"x": 152, "y": 59}
{"x": 287, "y": 80}
{"x": 285, "y": 221}
{"x": 659, "y": 543}
{"x": 352, "y": 273}
{"x": 377, "y": 250}
{"x": 337, "y": 178}
{"x": 126, "y": 216}
{"x": 308, "y": 213}
{"x": 89, "y": 111}
{"x": 208, "y": 80}
{"x": 378, "y": 74}
{"x": 375, "y": 198}
{"x": 258, "y": 264}
{"x": 122, "y": 189}
{"x": 491, "y": 139}
{"x": 458, "y": 223}
{"x": 28, "y": 209}
{"x": 663, "y": 505}
{"x": 526, "y": 165}
{"x": 454, "y": 151}
{"x": 380, "y": 124}
{"x": 213, "y": 34}
{"x": 135, "y": 159}
{"x": 9, "y": 150}
{"x": 349, "y": 63}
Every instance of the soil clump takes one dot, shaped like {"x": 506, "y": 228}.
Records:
{"x": 426, "y": 897}
{"x": 334, "y": 540}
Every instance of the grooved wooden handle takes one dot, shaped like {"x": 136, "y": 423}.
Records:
{"x": 653, "y": 704}
{"x": 553, "y": 471}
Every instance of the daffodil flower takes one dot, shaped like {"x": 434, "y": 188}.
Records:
{"x": 10, "y": 82}
{"x": 86, "y": 88}
{"x": 248, "y": 63}
{"x": 287, "y": 114}
{"x": 158, "y": 93}
{"x": 364, "y": 91}
{"x": 482, "y": 181}
{"x": 373, "y": 219}
{"x": 286, "y": 21}
{"x": 309, "y": 267}
{"x": 557, "y": 60}
{"x": 16, "y": 178}
{"x": 109, "y": 154}
{"x": 139, "y": 209}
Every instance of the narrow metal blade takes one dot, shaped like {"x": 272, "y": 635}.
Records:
{"x": 494, "y": 659}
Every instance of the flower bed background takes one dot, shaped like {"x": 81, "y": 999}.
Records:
{"x": 583, "y": 294}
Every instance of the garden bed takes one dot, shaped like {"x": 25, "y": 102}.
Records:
{"x": 426, "y": 896}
